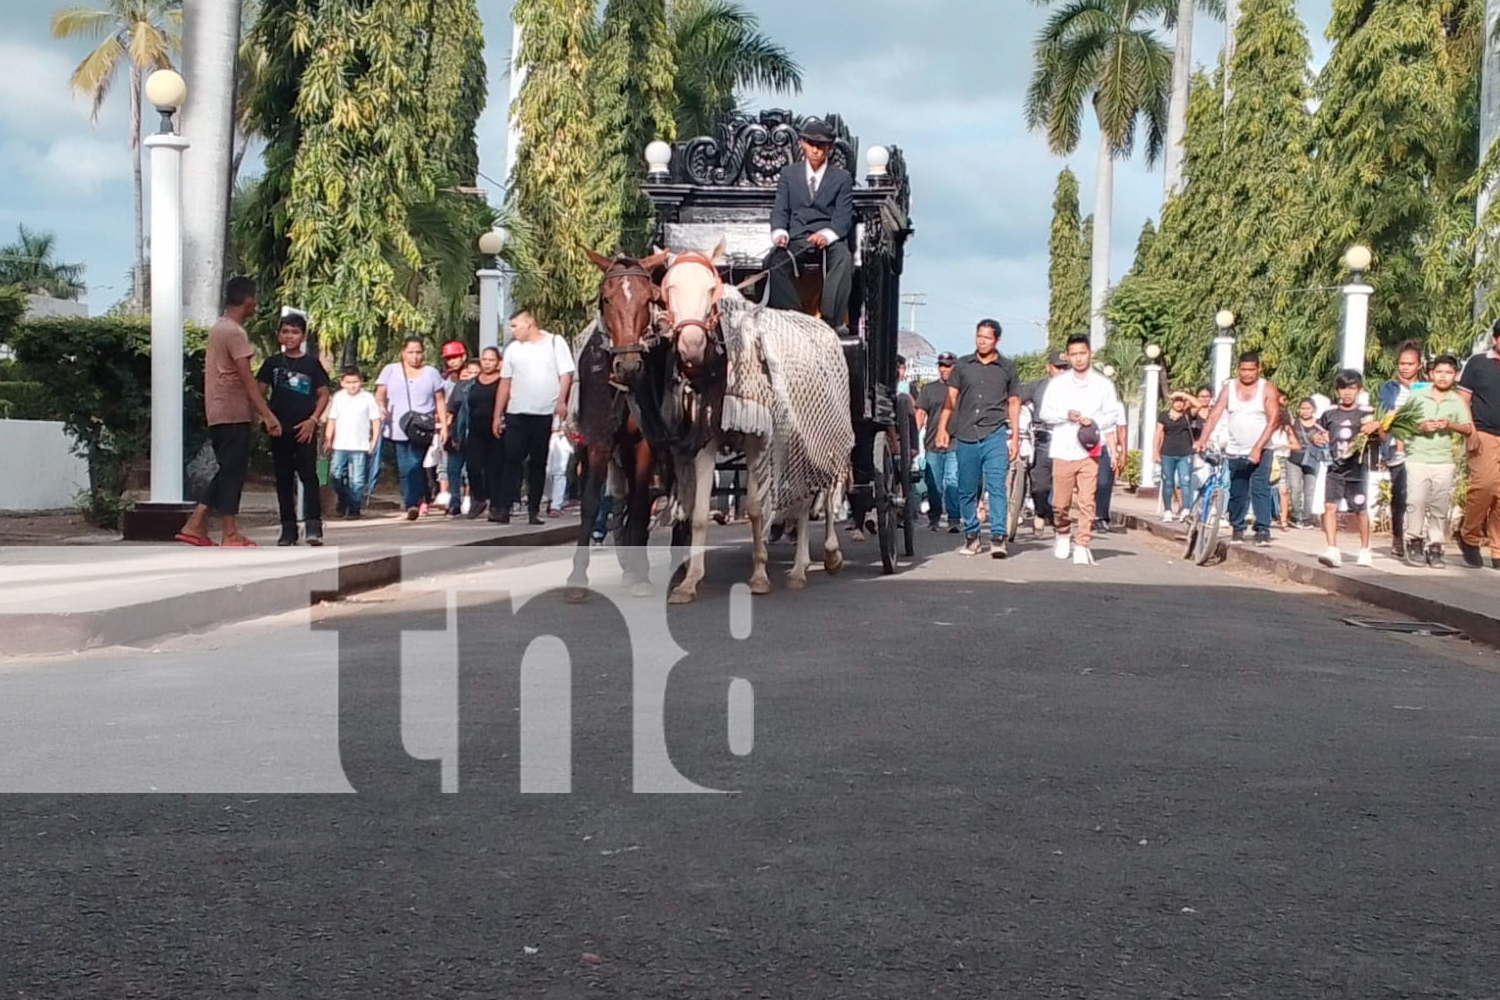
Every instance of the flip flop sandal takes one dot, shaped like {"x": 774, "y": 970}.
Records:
{"x": 197, "y": 540}
{"x": 243, "y": 543}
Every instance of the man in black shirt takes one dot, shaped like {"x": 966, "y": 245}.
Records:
{"x": 981, "y": 407}
{"x": 1480, "y": 382}
{"x": 299, "y": 395}
{"x": 942, "y": 465}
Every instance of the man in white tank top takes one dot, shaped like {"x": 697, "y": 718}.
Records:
{"x": 1253, "y": 406}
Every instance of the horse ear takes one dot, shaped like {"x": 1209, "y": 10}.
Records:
{"x": 654, "y": 261}
{"x": 601, "y": 262}
{"x": 718, "y": 255}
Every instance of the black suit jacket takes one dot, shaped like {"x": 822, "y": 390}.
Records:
{"x": 801, "y": 215}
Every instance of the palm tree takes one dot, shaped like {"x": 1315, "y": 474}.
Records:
{"x": 29, "y": 264}
{"x": 1182, "y": 74}
{"x": 719, "y": 50}
{"x": 1105, "y": 53}
{"x": 143, "y": 34}
{"x": 210, "y": 60}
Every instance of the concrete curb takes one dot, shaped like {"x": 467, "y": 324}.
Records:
{"x": 1411, "y": 607}
{"x": 47, "y": 634}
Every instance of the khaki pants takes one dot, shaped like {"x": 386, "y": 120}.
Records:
{"x": 1429, "y": 497}
{"x": 1482, "y": 507}
{"x": 1082, "y": 475}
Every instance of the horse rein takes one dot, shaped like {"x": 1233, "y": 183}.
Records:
{"x": 648, "y": 338}
{"x": 711, "y": 322}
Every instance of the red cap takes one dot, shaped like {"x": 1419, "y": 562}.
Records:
{"x": 453, "y": 349}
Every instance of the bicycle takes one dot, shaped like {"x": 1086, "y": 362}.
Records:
{"x": 1208, "y": 510}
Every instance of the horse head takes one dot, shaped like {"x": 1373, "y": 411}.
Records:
{"x": 626, "y": 295}
{"x": 692, "y": 289}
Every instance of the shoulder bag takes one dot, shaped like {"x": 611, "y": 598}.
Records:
{"x": 419, "y": 428}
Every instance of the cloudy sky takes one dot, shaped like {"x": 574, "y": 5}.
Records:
{"x": 943, "y": 79}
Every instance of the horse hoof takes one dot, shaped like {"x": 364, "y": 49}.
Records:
{"x": 833, "y": 563}
{"x": 642, "y": 589}
{"x": 760, "y": 586}
{"x": 796, "y": 583}
{"x": 575, "y": 595}
{"x": 683, "y": 595}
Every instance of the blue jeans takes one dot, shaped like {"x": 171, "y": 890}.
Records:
{"x": 942, "y": 485}
{"x": 413, "y": 476}
{"x": 1252, "y": 483}
{"x": 455, "y": 476}
{"x": 1176, "y": 471}
{"x": 981, "y": 464}
{"x": 346, "y": 474}
{"x": 1106, "y": 488}
{"x": 372, "y": 466}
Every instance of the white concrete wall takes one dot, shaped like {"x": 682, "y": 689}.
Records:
{"x": 42, "y": 473}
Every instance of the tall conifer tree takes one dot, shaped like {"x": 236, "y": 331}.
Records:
{"x": 1067, "y": 266}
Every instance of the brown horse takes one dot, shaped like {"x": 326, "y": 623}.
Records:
{"x": 616, "y": 368}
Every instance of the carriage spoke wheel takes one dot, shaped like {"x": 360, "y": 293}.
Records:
{"x": 885, "y": 502}
{"x": 907, "y": 508}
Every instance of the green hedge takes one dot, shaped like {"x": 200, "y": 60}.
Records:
{"x": 27, "y": 401}
{"x": 95, "y": 374}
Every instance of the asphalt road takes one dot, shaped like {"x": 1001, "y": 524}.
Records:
{"x": 973, "y": 779}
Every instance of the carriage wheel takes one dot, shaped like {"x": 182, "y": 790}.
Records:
{"x": 1016, "y": 484}
{"x": 885, "y": 506}
{"x": 904, "y": 477}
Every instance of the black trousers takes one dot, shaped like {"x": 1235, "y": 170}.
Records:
{"x": 838, "y": 276}
{"x": 484, "y": 457}
{"x": 1398, "y": 501}
{"x": 526, "y": 439}
{"x": 294, "y": 461}
{"x": 1041, "y": 481}
{"x": 231, "y": 444}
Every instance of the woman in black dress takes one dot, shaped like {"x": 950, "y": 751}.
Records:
{"x": 482, "y": 451}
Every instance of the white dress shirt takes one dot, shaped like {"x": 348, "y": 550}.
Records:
{"x": 814, "y": 180}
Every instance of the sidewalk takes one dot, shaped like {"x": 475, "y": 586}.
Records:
{"x": 1457, "y": 596}
{"x": 63, "y": 598}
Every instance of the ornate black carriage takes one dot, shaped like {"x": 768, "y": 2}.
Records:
{"x": 722, "y": 187}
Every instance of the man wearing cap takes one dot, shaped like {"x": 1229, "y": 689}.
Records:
{"x": 1041, "y": 437}
{"x": 979, "y": 412}
{"x": 942, "y": 464}
{"x": 813, "y": 219}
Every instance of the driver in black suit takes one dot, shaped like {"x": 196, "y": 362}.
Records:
{"x": 813, "y": 218}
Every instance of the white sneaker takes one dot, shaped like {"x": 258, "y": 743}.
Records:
{"x": 1331, "y": 558}
{"x": 1082, "y": 556}
{"x": 441, "y": 500}
{"x": 1061, "y": 546}
{"x": 1366, "y": 558}
{"x": 1166, "y": 517}
{"x": 463, "y": 508}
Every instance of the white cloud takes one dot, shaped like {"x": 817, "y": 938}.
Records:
{"x": 35, "y": 99}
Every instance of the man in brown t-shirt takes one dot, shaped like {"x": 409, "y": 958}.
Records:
{"x": 231, "y": 401}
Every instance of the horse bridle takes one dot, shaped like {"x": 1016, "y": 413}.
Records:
{"x": 649, "y": 338}
{"x": 711, "y": 322}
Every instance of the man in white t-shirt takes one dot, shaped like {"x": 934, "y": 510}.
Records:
{"x": 352, "y": 436}
{"x": 1076, "y": 407}
{"x": 536, "y": 377}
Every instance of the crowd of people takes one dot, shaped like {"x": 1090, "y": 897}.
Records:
{"x": 480, "y": 436}
{"x": 977, "y": 417}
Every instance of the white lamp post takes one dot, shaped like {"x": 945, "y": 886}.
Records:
{"x": 876, "y": 160}
{"x": 490, "y": 276}
{"x": 166, "y": 92}
{"x": 658, "y": 162}
{"x": 1223, "y": 347}
{"x": 1148, "y": 418}
{"x": 1356, "y": 308}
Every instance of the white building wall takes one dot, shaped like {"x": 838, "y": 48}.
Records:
{"x": 43, "y": 473}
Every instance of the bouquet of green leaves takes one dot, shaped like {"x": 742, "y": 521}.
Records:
{"x": 1400, "y": 423}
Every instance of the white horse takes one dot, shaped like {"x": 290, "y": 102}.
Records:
{"x": 696, "y": 301}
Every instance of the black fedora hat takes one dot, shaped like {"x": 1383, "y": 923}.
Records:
{"x": 816, "y": 130}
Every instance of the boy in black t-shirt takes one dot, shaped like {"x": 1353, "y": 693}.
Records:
{"x": 1348, "y": 471}
{"x": 299, "y": 395}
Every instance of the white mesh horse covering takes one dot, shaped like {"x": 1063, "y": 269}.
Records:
{"x": 787, "y": 376}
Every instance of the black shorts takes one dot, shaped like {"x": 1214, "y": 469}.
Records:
{"x": 231, "y": 444}
{"x": 1348, "y": 485}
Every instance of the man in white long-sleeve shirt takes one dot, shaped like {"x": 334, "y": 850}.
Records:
{"x": 1077, "y": 403}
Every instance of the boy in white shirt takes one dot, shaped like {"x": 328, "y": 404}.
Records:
{"x": 353, "y": 435}
{"x": 1077, "y": 405}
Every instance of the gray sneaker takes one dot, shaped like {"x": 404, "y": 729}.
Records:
{"x": 997, "y": 548}
{"x": 970, "y": 546}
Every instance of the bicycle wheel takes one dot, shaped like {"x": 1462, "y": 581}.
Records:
{"x": 1015, "y": 496}
{"x": 1208, "y": 534}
